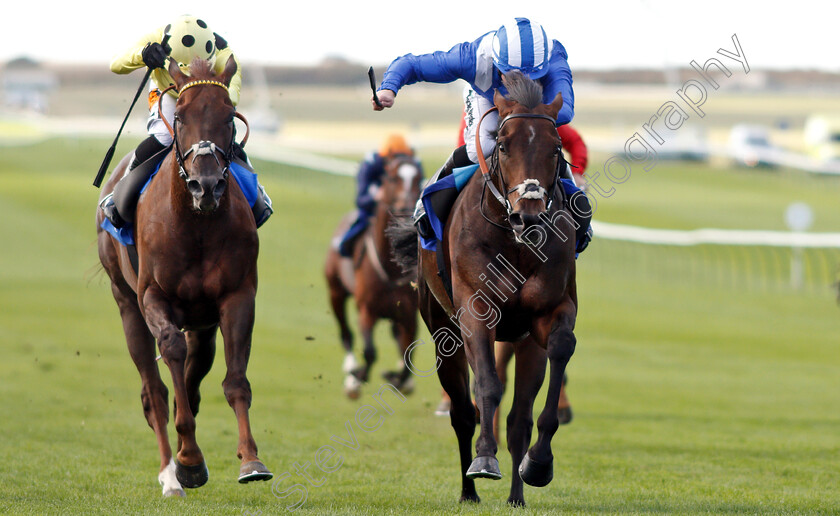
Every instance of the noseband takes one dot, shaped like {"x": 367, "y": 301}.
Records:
{"x": 528, "y": 189}
{"x": 203, "y": 147}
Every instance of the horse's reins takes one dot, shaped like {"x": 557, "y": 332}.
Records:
{"x": 487, "y": 173}
{"x": 203, "y": 147}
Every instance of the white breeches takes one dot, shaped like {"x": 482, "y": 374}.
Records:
{"x": 474, "y": 107}
{"x": 166, "y": 108}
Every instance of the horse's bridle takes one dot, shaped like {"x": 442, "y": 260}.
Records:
{"x": 203, "y": 147}
{"x": 487, "y": 172}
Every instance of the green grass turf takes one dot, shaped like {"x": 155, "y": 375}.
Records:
{"x": 688, "y": 399}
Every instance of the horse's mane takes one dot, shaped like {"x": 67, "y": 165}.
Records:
{"x": 522, "y": 89}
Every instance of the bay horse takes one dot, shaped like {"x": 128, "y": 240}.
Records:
{"x": 378, "y": 285}
{"x": 510, "y": 254}
{"x": 197, "y": 244}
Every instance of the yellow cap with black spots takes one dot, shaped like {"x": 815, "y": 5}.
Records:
{"x": 191, "y": 38}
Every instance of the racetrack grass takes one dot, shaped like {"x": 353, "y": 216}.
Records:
{"x": 687, "y": 399}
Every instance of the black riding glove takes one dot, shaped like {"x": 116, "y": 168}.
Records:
{"x": 154, "y": 56}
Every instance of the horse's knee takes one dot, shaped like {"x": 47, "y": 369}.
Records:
{"x": 173, "y": 346}
{"x": 237, "y": 388}
{"x": 561, "y": 345}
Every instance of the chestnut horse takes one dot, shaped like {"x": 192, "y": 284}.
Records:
{"x": 509, "y": 247}
{"x": 197, "y": 245}
{"x": 380, "y": 288}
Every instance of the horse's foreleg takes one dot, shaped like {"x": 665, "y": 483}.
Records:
{"x": 536, "y": 468}
{"x": 191, "y": 470}
{"x": 405, "y": 330}
{"x": 153, "y": 394}
{"x": 237, "y": 323}
{"x": 530, "y": 370}
{"x": 201, "y": 349}
{"x": 480, "y": 341}
{"x": 366, "y": 323}
{"x": 504, "y": 352}
{"x": 338, "y": 302}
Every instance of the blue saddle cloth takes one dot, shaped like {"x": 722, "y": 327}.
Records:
{"x": 246, "y": 180}
{"x": 439, "y": 197}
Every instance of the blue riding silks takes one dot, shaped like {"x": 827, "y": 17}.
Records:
{"x": 246, "y": 180}
{"x": 438, "y": 206}
{"x": 357, "y": 228}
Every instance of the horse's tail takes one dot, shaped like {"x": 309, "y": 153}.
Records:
{"x": 404, "y": 243}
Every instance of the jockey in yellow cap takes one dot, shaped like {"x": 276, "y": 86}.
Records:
{"x": 189, "y": 38}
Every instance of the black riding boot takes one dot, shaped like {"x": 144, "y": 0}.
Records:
{"x": 457, "y": 159}
{"x": 119, "y": 206}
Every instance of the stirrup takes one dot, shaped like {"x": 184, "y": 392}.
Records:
{"x": 109, "y": 209}
{"x": 262, "y": 207}
{"x": 423, "y": 226}
{"x": 583, "y": 243}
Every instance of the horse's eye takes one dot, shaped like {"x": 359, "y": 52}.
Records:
{"x": 502, "y": 148}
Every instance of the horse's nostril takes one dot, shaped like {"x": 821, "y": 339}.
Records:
{"x": 220, "y": 188}
{"x": 194, "y": 187}
{"x": 516, "y": 220}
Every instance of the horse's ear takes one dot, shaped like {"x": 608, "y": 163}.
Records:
{"x": 555, "y": 105}
{"x": 505, "y": 105}
{"x": 177, "y": 75}
{"x": 229, "y": 71}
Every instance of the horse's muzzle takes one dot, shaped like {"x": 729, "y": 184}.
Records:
{"x": 521, "y": 222}
{"x": 206, "y": 192}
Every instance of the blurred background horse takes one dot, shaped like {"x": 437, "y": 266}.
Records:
{"x": 378, "y": 285}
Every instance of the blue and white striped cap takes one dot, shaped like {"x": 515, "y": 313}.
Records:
{"x": 522, "y": 45}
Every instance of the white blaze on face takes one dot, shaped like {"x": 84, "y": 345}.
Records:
{"x": 407, "y": 172}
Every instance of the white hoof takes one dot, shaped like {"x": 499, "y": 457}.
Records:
{"x": 352, "y": 387}
{"x": 349, "y": 363}
{"x": 170, "y": 484}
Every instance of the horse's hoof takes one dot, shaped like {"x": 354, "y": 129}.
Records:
{"x": 516, "y": 502}
{"x": 254, "y": 470}
{"x": 192, "y": 476}
{"x": 485, "y": 467}
{"x": 361, "y": 374}
{"x": 537, "y": 474}
{"x": 352, "y": 387}
{"x": 168, "y": 481}
{"x": 564, "y": 415}
{"x": 469, "y": 498}
{"x": 392, "y": 377}
{"x": 407, "y": 387}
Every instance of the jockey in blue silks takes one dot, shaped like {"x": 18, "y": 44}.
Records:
{"x": 521, "y": 45}
{"x": 368, "y": 183}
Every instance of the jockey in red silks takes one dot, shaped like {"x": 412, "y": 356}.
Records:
{"x": 190, "y": 38}
{"x": 520, "y": 44}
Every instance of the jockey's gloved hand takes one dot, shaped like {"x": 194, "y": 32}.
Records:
{"x": 154, "y": 55}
